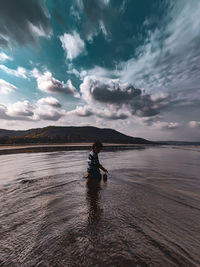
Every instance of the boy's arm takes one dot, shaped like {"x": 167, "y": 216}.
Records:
{"x": 102, "y": 168}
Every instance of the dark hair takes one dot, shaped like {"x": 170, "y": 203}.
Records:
{"x": 97, "y": 144}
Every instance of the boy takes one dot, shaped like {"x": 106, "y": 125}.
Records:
{"x": 93, "y": 162}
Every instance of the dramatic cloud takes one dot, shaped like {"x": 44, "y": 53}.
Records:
{"x": 109, "y": 49}
{"x": 47, "y": 83}
{"x": 148, "y": 105}
{"x": 6, "y": 87}
{"x": 20, "y": 72}
{"x": 167, "y": 61}
{"x": 113, "y": 92}
{"x": 72, "y": 44}
{"x": 23, "y": 22}
{"x": 51, "y": 101}
{"x": 4, "y": 57}
{"x": 107, "y": 91}
{"x": 170, "y": 55}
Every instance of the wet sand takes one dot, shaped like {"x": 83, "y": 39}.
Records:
{"x": 31, "y": 148}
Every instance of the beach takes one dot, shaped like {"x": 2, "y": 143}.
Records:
{"x": 146, "y": 214}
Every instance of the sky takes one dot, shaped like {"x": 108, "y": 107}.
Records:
{"x": 130, "y": 65}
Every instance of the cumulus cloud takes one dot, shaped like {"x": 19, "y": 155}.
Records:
{"x": 107, "y": 90}
{"x": 51, "y": 114}
{"x": 6, "y": 87}
{"x": 194, "y": 124}
{"x": 113, "y": 92}
{"x": 20, "y": 109}
{"x": 50, "y": 101}
{"x": 81, "y": 111}
{"x": 4, "y": 57}
{"x": 47, "y": 83}
{"x": 48, "y": 109}
{"x": 25, "y": 111}
{"x": 23, "y": 22}
{"x": 108, "y": 114}
{"x": 72, "y": 44}
{"x": 112, "y": 115}
{"x": 20, "y": 72}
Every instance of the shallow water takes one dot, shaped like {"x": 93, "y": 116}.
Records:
{"x": 146, "y": 214}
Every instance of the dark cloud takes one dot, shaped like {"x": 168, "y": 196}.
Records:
{"x": 147, "y": 105}
{"x": 23, "y": 21}
{"x": 108, "y": 91}
{"x": 118, "y": 94}
{"x": 108, "y": 115}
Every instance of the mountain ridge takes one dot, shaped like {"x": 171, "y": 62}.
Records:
{"x": 67, "y": 134}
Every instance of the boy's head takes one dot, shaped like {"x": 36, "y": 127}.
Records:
{"x": 97, "y": 146}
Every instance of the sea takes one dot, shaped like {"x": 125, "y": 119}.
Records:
{"x": 147, "y": 212}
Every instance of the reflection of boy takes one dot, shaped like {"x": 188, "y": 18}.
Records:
{"x": 93, "y": 162}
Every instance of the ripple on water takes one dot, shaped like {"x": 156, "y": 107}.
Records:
{"x": 144, "y": 215}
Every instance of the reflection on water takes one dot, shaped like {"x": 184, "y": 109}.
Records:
{"x": 146, "y": 214}
{"x": 93, "y": 200}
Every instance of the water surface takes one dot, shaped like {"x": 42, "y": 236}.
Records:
{"x": 146, "y": 214}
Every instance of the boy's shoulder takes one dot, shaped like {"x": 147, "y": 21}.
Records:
{"x": 93, "y": 154}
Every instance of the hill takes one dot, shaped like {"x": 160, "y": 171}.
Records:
{"x": 71, "y": 134}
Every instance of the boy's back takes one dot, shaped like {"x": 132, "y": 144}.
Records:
{"x": 93, "y": 161}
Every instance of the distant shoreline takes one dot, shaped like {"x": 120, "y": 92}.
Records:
{"x": 32, "y": 148}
